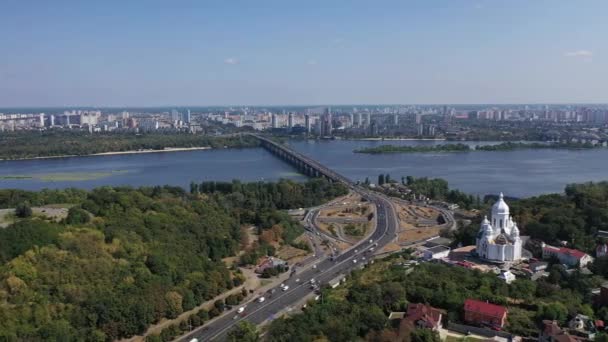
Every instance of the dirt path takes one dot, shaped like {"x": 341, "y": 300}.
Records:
{"x": 252, "y": 282}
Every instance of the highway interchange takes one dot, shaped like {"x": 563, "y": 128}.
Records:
{"x": 299, "y": 283}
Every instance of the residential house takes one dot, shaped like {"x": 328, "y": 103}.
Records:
{"x": 553, "y": 333}
{"x": 567, "y": 256}
{"x": 485, "y": 314}
{"x": 424, "y": 316}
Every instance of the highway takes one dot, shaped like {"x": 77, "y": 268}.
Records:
{"x": 299, "y": 284}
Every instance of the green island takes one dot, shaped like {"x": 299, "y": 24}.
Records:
{"x": 412, "y": 149}
{"x": 123, "y": 258}
{"x": 509, "y": 146}
{"x": 505, "y": 146}
{"x": 27, "y": 145}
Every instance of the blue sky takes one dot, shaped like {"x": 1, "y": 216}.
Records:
{"x": 155, "y": 53}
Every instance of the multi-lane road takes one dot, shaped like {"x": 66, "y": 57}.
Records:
{"x": 299, "y": 284}
{"x": 326, "y": 268}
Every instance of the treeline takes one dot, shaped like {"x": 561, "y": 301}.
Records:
{"x": 20, "y": 145}
{"x": 410, "y": 149}
{"x": 505, "y": 146}
{"x": 438, "y": 189}
{"x": 146, "y": 254}
{"x": 509, "y": 146}
{"x": 360, "y": 308}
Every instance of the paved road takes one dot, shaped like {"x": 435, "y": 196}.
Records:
{"x": 326, "y": 270}
{"x": 299, "y": 284}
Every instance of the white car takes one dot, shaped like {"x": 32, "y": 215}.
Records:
{"x": 317, "y": 297}
{"x": 312, "y": 280}
{"x": 354, "y": 261}
{"x": 282, "y": 285}
{"x": 241, "y": 309}
{"x": 261, "y": 299}
{"x": 286, "y": 287}
{"x": 298, "y": 280}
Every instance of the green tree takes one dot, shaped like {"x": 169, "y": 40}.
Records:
{"x": 77, "y": 215}
{"x": 244, "y": 332}
{"x": 23, "y": 210}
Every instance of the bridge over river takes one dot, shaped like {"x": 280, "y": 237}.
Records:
{"x": 327, "y": 268}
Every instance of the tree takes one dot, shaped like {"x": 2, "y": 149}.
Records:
{"x": 244, "y": 332}
{"x": 424, "y": 335}
{"x": 77, "y": 215}
{"x": 23, "y": 210}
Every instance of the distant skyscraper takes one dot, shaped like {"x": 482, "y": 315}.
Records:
{"x": 174, "y": 115}
{"x": 274, "y": 121}
{"x": 187, "y": 116}
{"x": 290, "y": 120}
{"x": 52, "y": 120}
{"x": 396, "y": 119}
{"x": 352, "y": 119}
{"x": 369, "y": 119}
{"x": 418, "y": 118}
{"x": 307, "y": 123}
{"x": 359, "y": 120}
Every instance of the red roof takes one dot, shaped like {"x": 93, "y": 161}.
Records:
{"x": 567, "y": 251}
{"x": 426, "y": 314}
{"x": 484, "y": 308}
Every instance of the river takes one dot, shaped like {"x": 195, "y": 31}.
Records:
{"x": 518, "y": 173}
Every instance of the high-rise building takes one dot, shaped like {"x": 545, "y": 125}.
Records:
{"x": 418, "y": 118}
{"x": 290, "y": 120}
{"x": 274, "y": 121}
{"x": 396, "y": 119}
{"x": 352, "y": 119}
{"x": 359, "y": 120}
{"x": 52, "y": 120}
{"x": 369, "y": 119}
{"x": 174, "y": 115}
{"x": 307, "y": 123}
{"x": 187, "y": 116}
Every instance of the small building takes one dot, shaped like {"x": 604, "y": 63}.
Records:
{"x": 424, "y": 316}
{"x": 269, "y": 262}
{"x": 568, "y": 256}
{"x": 436, "y": 252}
{"x": 601, "y": 250}
{"x": 485, "y": 314}
{"x": 538, "y": 266}
{"x": 582, "y": 326}
{"x": 553, "y": 333}
{"x": 507, "y": 276}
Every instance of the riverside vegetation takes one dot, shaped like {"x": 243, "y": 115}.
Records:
{"x": 125, "y": 258}
{"x": 23, "y": 145}
{"x": 505, "y": 146}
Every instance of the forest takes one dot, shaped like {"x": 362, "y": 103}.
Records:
{"x": 359, "y": 309}
{"x": 411, "y": 149}
{"x": 34, "y": 144}
{"x": 124, "y": 258}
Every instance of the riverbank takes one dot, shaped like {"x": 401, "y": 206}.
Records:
{"x": 166, "y": 149}
{"x": 506, "y": 146}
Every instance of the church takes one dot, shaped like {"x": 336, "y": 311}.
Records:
{"x": 498, "y": 238}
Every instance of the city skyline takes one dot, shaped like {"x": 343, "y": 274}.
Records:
{"x": 276, "y": 54}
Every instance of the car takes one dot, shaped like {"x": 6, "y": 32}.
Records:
{"x": 235, "y": 317}
{"x": 282, "y": 285}
{"x": 286, "y": 287}
{"x": 261, "y": 299}
{"x": 371, "y": 241}
{"x": 241, "y": 309}
{"x": 314, "y": 266}
{"x": 356, "y": 250}
{"x": 312, "y": 280}
{"x": 318, "y": 297}
{"x": 297, "y": 280}
{"x": 354, "y": 261}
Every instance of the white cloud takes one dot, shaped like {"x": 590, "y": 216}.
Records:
{"x": 312, "y": 62}
{"x": 579, "y": 54}
{"x": 231, "y": 61}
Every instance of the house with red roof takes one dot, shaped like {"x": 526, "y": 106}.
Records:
{"x": 424, "y": 316}
{"x": 482, "y": 313}
{"x": 567, "y": 256}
